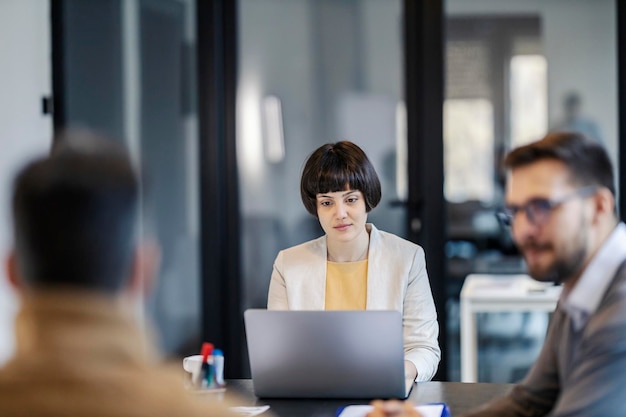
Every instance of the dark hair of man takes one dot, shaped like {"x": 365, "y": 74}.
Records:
{"x": 75, "y": 214}
{"x": 586, "y": 159}
{"x": 338, "y": 167}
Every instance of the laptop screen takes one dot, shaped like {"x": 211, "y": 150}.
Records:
{"x": 326, "y": 354}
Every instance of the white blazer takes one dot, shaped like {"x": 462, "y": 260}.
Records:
{"x": 396, "y": 280}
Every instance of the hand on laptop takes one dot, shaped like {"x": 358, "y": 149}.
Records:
{"x": 393, "y": 408}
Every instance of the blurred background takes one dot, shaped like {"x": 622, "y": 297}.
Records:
{"x": 297, "y": 74}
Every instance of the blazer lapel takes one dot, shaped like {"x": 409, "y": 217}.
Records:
{"x": 377, "y": 287}
{"x": 310, "y": 273}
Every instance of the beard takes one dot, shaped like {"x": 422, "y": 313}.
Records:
{"x": 561, "y": 269}
{"x": 566, "y": 264}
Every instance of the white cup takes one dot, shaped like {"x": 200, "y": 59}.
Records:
{"x": 193, "y": 364}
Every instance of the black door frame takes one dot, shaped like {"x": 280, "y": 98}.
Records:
{"x": 424, "y": 93}
{"x": 221, "y": 319}
{"x": 621, "y": 107}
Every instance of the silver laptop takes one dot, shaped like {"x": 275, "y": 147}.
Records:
{"x": 326, "y": 354}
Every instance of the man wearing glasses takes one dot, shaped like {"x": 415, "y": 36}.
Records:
{"x": 560, "y": 207}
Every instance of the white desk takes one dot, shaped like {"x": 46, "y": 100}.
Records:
{"x": 497, "y": 293}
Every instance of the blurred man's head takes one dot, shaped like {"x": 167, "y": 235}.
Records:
{"x": 560, "y": 203}
{"x": 75, "y": 214}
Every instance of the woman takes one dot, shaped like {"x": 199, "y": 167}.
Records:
{"x": 354, "y": 266}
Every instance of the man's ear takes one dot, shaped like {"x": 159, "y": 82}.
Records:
{"x": 12, "y": 270}
{"x": 146, "y": 262}
{"x": 604, "y": 202}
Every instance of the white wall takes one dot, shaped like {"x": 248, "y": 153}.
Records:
{"x": 24, "y": 131}
{"x": 579, "y": 38}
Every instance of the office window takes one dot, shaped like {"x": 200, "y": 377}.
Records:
{"x": 468, "y": 150}
{"x": 529, "y": 98}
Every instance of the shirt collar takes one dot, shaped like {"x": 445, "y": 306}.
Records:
{"x": 585, "y": 297}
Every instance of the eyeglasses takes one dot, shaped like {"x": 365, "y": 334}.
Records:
{"x": 538, "y": 210}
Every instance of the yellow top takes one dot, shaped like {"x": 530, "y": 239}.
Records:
{"x": 346, "y": 285}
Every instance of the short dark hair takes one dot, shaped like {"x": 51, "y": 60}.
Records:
{"x": 333, "y": 167}
{"x": 586, "y": 159}
{"x": 75, "y": 215}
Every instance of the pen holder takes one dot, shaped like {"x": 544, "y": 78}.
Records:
{"x": 195, "y": 378}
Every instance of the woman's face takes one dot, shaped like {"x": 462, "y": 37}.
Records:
{"x": 342, "y": 214}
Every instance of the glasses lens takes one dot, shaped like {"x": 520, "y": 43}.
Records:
{"x": 538, "y": 210}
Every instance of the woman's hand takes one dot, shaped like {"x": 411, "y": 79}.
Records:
{"x": 393, "y": 408}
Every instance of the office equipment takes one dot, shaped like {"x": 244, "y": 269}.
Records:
{"x": 326, "y": 354}
{"x": 497, "y": 293}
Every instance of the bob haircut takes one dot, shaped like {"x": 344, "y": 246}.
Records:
{"x": 338, "y": 167}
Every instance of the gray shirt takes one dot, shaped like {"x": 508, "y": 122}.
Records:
{"x": 581, "y": 370}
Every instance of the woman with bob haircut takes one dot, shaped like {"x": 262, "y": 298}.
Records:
{"x": 355, "y": 266}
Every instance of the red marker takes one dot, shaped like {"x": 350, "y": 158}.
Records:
{"x": 206, "y": 374}
{"x": 207, "y": 349}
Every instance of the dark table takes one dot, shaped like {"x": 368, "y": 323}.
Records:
{"x": 460, "y": 397}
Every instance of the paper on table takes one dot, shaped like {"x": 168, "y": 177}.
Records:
{"x": 250, "y": 411}
{"x": 426, "y": 410}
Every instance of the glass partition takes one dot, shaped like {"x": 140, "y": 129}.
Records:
{"x": 515, "y": 71}
{"x": 313, "y": 72}
{"x": 128, "y": 71}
